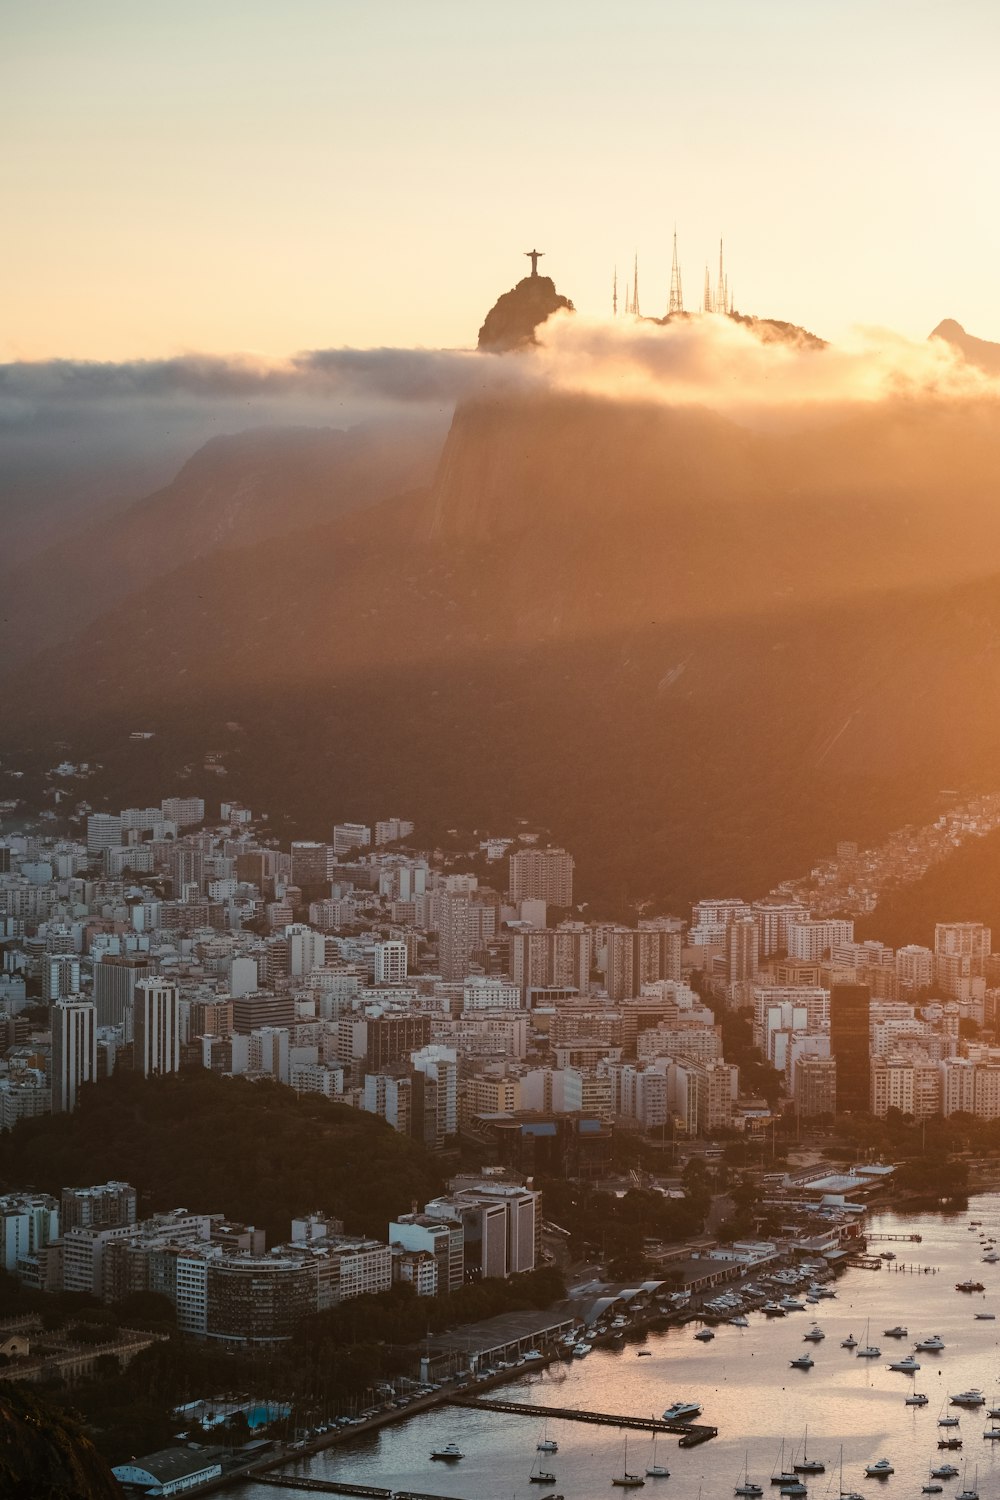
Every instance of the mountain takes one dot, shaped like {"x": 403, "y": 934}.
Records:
{"x": 699, "y": 652}
{"x": 977, "y": 351}
{"x": 513, "y": 318}
{"x": 233, "y": 492}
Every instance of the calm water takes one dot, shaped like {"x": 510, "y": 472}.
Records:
{"x": 748, "y": 1391}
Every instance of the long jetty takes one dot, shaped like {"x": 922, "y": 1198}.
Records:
{"x": 342, "y": 1487}
{"x": 690, "y": 1433}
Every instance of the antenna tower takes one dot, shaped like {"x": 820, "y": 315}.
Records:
{"x": 676, "y": 294}
{"x": 635, "y": 286}
{"x": 721, "y": 299}
{"x": 706, "y": 301}
{"x": 614, "y": 295}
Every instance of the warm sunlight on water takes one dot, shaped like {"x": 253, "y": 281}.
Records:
{"x": 748, "y": 1391}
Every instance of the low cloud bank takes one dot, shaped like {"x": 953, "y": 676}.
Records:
{"x": 704, "y": 361}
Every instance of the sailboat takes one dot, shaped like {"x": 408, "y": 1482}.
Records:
{"x": 625, "y": 1480}
{"x": 782, "y": 1475}
{"x": 807, "y": 1465}
{"x": 546, "y": 1444}
{"x": 748, "y": 1489}
{"x": 967, "y": 1493}
{"x": 655, "y": 1470}
{"x": 846, "y": 1494}
{"x": 539, "y": 1475}
{"x": 867, "y": 1350}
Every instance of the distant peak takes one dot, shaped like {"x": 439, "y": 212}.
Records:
{"x": 948, "y": 329}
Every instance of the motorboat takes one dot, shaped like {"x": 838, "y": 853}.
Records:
{"x": 580, "y": 1351}
{"x": 944, "y": 1471}
{"x": 985, "y": 1317}
{"x": 969, "y": 1286}
{"x": 814, "y": 1336}
{"x": 970, "y": 1398}
{"x": 644, "y": 1354}
{"x": 894, "y": 1333}
{"x": 449, "y": 1454}
{"x": 804, "y": 1362}
{"x": 948, "y": 1421}
{"x": 992, "y": 1434}
{"x": 792, "y": 1304}
{"x": 918, "y": 1398}
{"x": 849, "y": 1343}
{"x": 705, "y": 1335}
{"x": 991, "y": 1257}
{"x": 543, "y": 1476}
{"x": 906, "y": 1366}
{"x": 951, "y": 1444}
{"x": 740, "y": 1322}
{"x": 682, "y": 1411}
{"x": 932, "y": 1489}
{"x": 888, "y": 1255}
{"x": 881, "y": 1469}
{"x": 932, "y": 1345}
{"x": 773, "y": 1310}
{"x": 795, "y": 1490}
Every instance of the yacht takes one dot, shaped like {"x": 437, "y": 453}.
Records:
{"x": 869, "y": 1351}
{"x": 682, "y": 1411}
{"x": 881, "y": 1469}
{"x": 449, "y": 1454}
{"x": 849, "y": 1343}
{"x": 944, "y": 1471}
{"x": 985, "y": 1317}
{"x": 705, "y": 1335}
{"x": 546, "y": 1444}
{"x": 795, "y": 1490}
{"x": 804, "y": 1362}
{"x": 991, "y": 1257}
{"x": 970, "y": 1398}
{"x": 773, "y": 1310}
{"x": 894, "y": 1333}
{"x": 792, "y": 1304}
{"x": 969, "y": 1286}
{"x": 580, "y": 1351}
{"x": 952, "y": 1444}
{"x": 740, "y": 1322}
{"x": 917, "y": 1399}
{"x": 907, "y": 1365}
{"x": 932, "y": 1489}
{"x": 932, "y": 1345}
{"x": 948, "y": 1421}
{"x": 846, "y": 1494}
{"x": 814, "y": 1336}
{"x": 992, "y": 1433}
{"x": 969, "y": 1492}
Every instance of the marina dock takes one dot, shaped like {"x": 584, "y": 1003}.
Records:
{"x": 342, "y": 1487}
{"x": 690, "y": 1433}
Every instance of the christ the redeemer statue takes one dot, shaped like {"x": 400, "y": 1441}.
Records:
{"x": 533, "y": 256}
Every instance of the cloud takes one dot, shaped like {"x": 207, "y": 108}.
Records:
{"x": 729, "y": 366}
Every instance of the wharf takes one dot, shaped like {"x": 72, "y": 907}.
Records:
{"x": 915, "y": 1239}
{"x": 690, "y": 1433}
{"x": 343, "y": 1487}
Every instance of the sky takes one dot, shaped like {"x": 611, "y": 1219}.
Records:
{"x": 225, "y": 176}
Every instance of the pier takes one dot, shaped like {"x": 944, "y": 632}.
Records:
{"x": 690, "y": 1433}
{"x": 342, "y": 1487}
{"x": 913, "y": 1239}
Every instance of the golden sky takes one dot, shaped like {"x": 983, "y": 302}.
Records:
{"x": 227, "y": 175}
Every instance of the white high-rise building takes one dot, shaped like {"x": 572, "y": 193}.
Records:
{"x": 348, "y": 836}
{"x": 388, "y": 830}
{"x": 156, "y": 1026}
{"x": 390, "y": 962}
{"x": 74, "y": 1050}
{"x": 104, "y": 831}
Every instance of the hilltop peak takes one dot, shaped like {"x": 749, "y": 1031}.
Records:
{"x": 513, "y": 318}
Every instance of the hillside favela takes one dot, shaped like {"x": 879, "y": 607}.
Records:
{"x": 500, "y": 807}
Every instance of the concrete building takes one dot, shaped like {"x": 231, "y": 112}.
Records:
{"x": 156, "y": 1026}
{"x": 74, "y": 1050}
{"x": 541, "y": 875}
